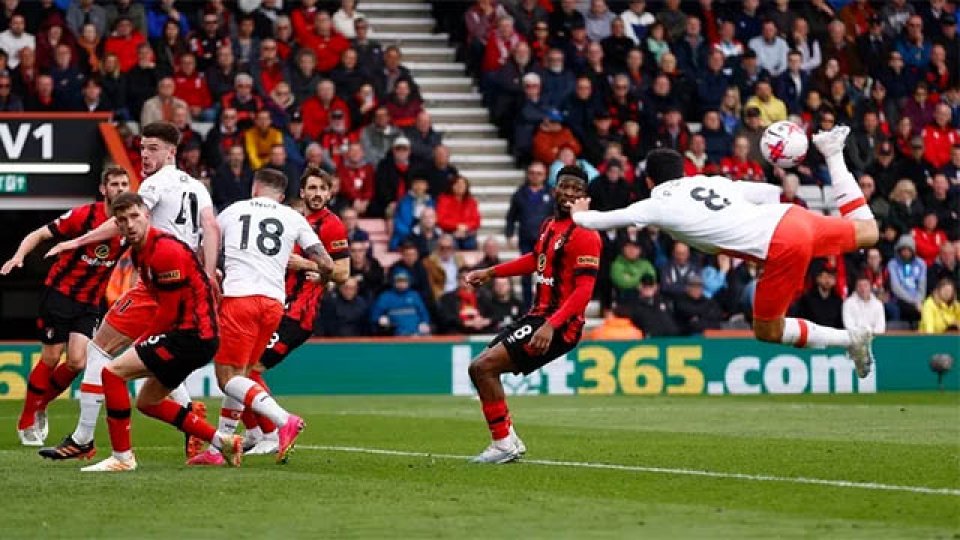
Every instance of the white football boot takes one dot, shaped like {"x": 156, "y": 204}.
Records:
{"x": 861, "y": 350}
{"x": 265, "y": 445}
{"x": 504, "y": 450}
{"x": 113, "y": 464}
{"x": 30, "y": 436}
{"x": 516, "y": 438}
{"x": 831, "y": 142}
{"x": 43, "y": 425}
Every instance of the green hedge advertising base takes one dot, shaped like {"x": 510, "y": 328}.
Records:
{"x": 671, "y": 366}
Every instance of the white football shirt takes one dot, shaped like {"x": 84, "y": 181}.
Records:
{"x": 258, "y": 237}
{"x": 710, "y": 213}
{"x": 175, "y": 200}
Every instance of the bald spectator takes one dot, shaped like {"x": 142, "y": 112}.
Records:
{"x": 939, "y": 137}
{"x": 500, "y": 44}
{"x": 161, "y": 106}
{"x": 243, "y": 100}
{"x": 423, "y": 138}
{"x": 316, "y": 109}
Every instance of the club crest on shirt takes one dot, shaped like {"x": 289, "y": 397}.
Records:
{"x": 541, "y": 262}
{"x": 102, "y": 251}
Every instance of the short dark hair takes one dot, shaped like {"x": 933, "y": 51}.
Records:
{"x": 125, "y": 201}
{"x": 575, "y": 172}
{"x": 272, "y": 179}
{"x": 110, "y": 172}
{"x": 663, "y": 165}
{"x": 323, "y": 175}
{"x": 165, "y": 131}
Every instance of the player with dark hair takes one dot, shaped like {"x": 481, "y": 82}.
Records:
{"x": 182, "y": 336}
{"x": 564, "y": 264}
{"x": 303, "y": 299}
{"x": 259, "y": 235}
{"x": 71, "y": 303}
{"x": 179, "y": 205}
{"x": 747, "y": 220}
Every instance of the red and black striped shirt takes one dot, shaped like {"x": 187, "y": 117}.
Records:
{"x": 567, "y": 261}
{"x": 303, "y": 295}
{"x": 172, "y": 271}
{"x": 82, "y": 274}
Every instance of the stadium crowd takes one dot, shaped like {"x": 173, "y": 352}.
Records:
{"x": 288, "y": 85}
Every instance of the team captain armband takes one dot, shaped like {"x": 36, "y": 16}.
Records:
{"x": 339, "y": 244}
{"x": 166, "y": 278}
{"x": 588, "y": 260}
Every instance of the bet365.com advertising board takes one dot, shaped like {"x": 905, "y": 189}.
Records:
{"x": 652, "y": 367}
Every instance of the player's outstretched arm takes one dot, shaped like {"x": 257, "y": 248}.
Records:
{"x": 28, "y": 244}
{"x": 211, "y": 240}
{"x": 521, "y": 266}
{"x": 635, "y": 214}
{"x": 107, "y": 230}
{"x": 319, "y": 256}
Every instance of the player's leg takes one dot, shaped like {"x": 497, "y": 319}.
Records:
{"x": 847, "y": 193}
{"x": 29, "y": 427}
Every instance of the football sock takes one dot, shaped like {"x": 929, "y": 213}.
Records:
{"x": 91, "y": 394}
{"x": 181, "y": 396}
{"x": 802, "y": 333}
{"x": 118, "y": 412}
{"x": 63, "y": 376}
{"x": 230, "y": 412}
{"x": 181, "y": 418}
{"x": 249, "y": 419}
{"x": 256, "y": 398}
{"x": 498, "y": 418}
{"x": 266, "y": 425}
{"x": 848, "y": 194}
{"x": 38, "y": 385}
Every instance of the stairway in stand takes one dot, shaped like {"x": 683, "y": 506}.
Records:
{"x": 454, "y": 103}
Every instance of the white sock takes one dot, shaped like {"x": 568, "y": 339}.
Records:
{"x": 847, "y": 192}
{"x": 255, "y": 433}
{"x": 230, "y": 411}
{"x": 126, "y": 455}
{"x": 802, "y": 333}
{"x": 181, "y": 396}
{"x": 91, "y": 401}
{"x": 262, "y": 402}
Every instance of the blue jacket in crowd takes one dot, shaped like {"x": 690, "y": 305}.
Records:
{"x": 405, "y": 310}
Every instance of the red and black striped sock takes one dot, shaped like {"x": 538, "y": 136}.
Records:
{"x": 61, "y": 379}
{"x": 117, "y": 400}
{"x": 498, "y": 418}
{"x": 37, "y": 387}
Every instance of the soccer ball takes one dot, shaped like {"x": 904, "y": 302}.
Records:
{"x": 784, "y": 144}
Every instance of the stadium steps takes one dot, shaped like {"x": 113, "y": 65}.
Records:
{"x": 453, "y": 101}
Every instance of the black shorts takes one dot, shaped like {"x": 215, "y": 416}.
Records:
{"x": 61, "y": 316}
{"x": 517, "y": 335}
{"x": 289, "y": 336}
{"x": 173, "y": 356}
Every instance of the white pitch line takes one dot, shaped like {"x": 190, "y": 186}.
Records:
{"x": 658, "y": 470}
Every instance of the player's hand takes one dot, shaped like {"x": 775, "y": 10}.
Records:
{"x": 8, "y": 266}
{"x": 580, "y": 205}
{"x": 66, "y": 245}
{"x": 424, "y": 329}
{"x": 479, "y": 277}
{"x": 215, "y": 287}
{"x": 541, "y": 339}
{"x": 298, "y": 263}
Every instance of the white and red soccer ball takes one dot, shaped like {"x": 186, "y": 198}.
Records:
{"x": 784, "y": 144}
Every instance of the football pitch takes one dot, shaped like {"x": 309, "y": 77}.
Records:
{"x": 812, "y": 466}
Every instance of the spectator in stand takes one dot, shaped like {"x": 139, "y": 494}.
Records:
{"x": 637, "y": 20}
{"x": 941, "y": 311}
{"x": 913, "y": 45}
{"x": 491, "y": 254}
{"x": 244, "y": 100}
{"x": 793, "y": 84}
{"x": 86, "y": 12}
{"x": 856, "y": 16}
{"x": 928, "y": 237}
{"x": 191, "y": 88}
{"x": 441, "y": 172}
{"x": 393, "y": 175}
{"x": 15, "y": 38}
{"x": 399, "y": 311}
{"x": 442, "y": 262}
{"x": 245, "y": 43}
{"x": 9, "y": 102}
{"x": 939, "y": 137}
{"x": 409, "y": 210}
{"x": 392, "y": 72}
{"x": 771, "y": 49}
{"x": 206, "y": 40}
{"x": 505, "y": 308}
{"x": 673, "y": 132}
{"x": 159, "y": 13}
{"x": 862, "y": 309}
{"x": 404, "y": 105}
{"x": 551, "y": 136}
{"x": 691, "y": 49}
{"x": 529, "y": 206}
{"x": 861, "y": 148}
{"x": 581, "y": 107}
{"x": 366, "y": 270}
{"x": 948, "y": 38}
{"x": 821, "y": 304}
{"x": 747, "y": 72}
{"x": 481, "y": 19}
{"x": 423, "y": 138}
{"x": 718, "y": 141}
{"x": 526, "y": 14}
{"x": 874, "y": 46}
{"x": 896, "y": 78}
{"x": 712, "y": 81}
{"x": 356, "y": 177}
{"x": 653, "y": 313}
{"x": 695, "y": 159}
{"x": 114, "y": 85}
{"x": 728, "y": 44}
{"x": 895, "y": 14}
{"x": 878, "y": 204}
{"x": 504, "y": 87}
{"x": 91, "y": 95}
{"x": 500, "y": 44}
{"x": 369, "y": 51}
{"x": 598, "y": 20}
{"x": 656, "y": 44}
{"x": 564, "y": 18}
{"x": 627, "y": 271}
{"x": 617, "y": 46}
{"x": 67, "y": 79}
{"x": 747, "y": 20}
{"x": 129, "y": 9}
{"x": 378, "y": 137}
{"x": 770, "y": 107}
{"x": 351, "y": 220}
{"x": 282, "y": 104}
{"x": 161, "y": 106}
{"x": 599, "y": 138}
{"x": 268, "y": 70}
{"x": 558, "y": 82}
{"x": 567, "y": 157}
{"x": 840, "y": 47}
{"x": 695, "y": 312}
{"x": 610, "y": 191}
{"x": 142, "y": 81}
{"x": 89, "y": 49}
{"x": 260, "y": 139}
{"x": 326, "y": 42}
{"x": 221, "y": 77}
{"x": 345, "y": 313}
{"x": 222, "y": 137}
{"x": 277, "y": 160}
{"x": 534, "y": 109}
{"x": 790, "y": 185}
{"x": 939, "y": 75}
{"x": 336, "y": 139}
{"x": 303, "y": 19}
{"x": 906, "y": 210}
{"x": 946, "y": 265}
{"x": 463, "y": 310}
{"x": 458, "y": 214}
{"x": 908, "y": 279}
{"x": 945, "y": 203}
{"x": 916, "y": 168}
{"x": 233, "y": 180}
{"x": 344, "y": 20}
{"x": 752, "y": 129}
{"x": 739, "y": 166}
{"x": 169, "y": 48}
{"x": 304, "y": 77}
{"x": 411, "y": 264}
{"x": 674, "y": 275}
{"x": 730, "y": 109}
{"x": 317, "y": 109}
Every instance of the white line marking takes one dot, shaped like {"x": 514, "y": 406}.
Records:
{"x": 657, "y": 470}
{"x": 45, "y": 168}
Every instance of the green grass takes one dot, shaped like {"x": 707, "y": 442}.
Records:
{"x": 891, "y": 439}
